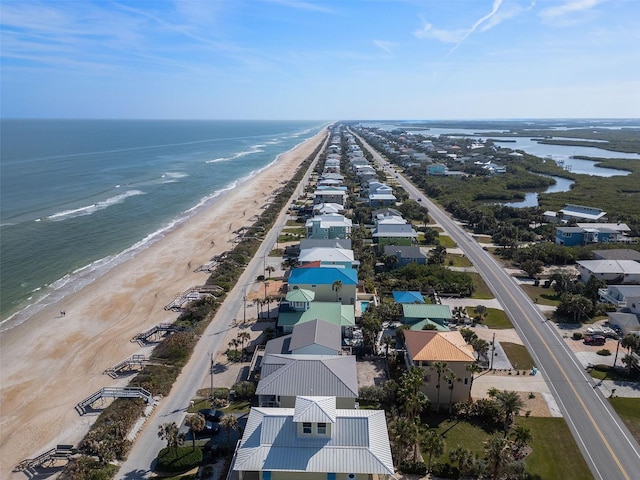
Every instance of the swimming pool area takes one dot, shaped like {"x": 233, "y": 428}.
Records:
{"x": 364, "y": 305}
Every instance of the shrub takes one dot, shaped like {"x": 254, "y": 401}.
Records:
{"x": 444, "y": 470}
{"x": 605, "y": 352}
{"x": 577, "y": 336}
{"x": 87, "y": 468}
{"x": 418, "y": 468}
{"x": 179, "y": 460}
{"x": 244, "y": 390}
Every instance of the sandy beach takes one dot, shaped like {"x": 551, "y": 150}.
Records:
{"x": 51, "y": 362}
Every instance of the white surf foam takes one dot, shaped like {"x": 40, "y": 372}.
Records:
{"x": 90, "y": 209}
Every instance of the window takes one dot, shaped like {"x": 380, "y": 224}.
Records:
{"x": 466, "y": 381}
{"x": 306, "y": 428}
{"x": 322, "y": 429}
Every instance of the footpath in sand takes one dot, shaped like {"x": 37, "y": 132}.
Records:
{"x": 51, "y": 362}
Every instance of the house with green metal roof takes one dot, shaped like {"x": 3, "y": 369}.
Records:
{"x": 420, "y": 315}
{"x": 331, "y": 312}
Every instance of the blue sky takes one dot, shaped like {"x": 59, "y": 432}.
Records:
{"x": 287, "y": 59}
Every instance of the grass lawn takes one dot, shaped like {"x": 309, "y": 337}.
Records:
{"x": 446, "y": 241}
{"x": 483, "y": 238}
{"x": 454, "y": 260}
{"x": 629, "y": 411}
{"x": 482, "y": 289}
{"x": 495, "y": 318}
{"x": 518, "y": 356}
{"x": 545, "y": 296}
{"x": 606, "y": 372}
{"x": 555, "y": 455}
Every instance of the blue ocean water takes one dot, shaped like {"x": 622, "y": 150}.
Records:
{"x": 80, "y": 196}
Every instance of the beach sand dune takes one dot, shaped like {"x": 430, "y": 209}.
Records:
{"x": 51, "y": 362}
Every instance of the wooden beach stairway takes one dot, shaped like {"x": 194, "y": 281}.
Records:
{"x": 114, "y": 392}
{"x": 60, "y": 452}
{"x": 128, "y": 364}
{"x": 193, "y": 293}
{"x": 160, "y": 329}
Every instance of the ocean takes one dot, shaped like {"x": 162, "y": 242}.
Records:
{"x": 78, "y": 197}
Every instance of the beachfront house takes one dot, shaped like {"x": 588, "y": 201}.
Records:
{"x": 337, "y": 257}
{"x": 611, "y": 271}
{"x": 315, "y": 337}
{"x": 329, "y": 195}
{"x": 330, "y": 284}
{"x": 314, "y": 440}
{"x": 295, "y": 313}
{"x": 425, "y": 347}
{"x": 285, "y": 376}
{"x": 331, "y": 225}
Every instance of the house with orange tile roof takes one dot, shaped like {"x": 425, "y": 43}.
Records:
{"x": 426, "y": 347}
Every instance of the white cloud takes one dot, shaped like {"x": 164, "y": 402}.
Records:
{"x": 384, "y": 45}
{"x": 568, "y": 8}
{"x": 444, "y": 36}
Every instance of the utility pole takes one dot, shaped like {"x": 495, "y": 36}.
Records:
{"x": 493, "y": 350}
{"x": 211, "y": 375}
{"x": 244, "y": 310}
{"x": 616, "y": 357}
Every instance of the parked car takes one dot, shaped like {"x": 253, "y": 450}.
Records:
{"x": 211, "y": 414}
{"x": 211, "y": 428}
{"x": 595, "y": 340}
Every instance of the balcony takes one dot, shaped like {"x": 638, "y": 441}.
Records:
{"x": 606, "y": 297}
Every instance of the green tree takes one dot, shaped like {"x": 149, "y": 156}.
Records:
{"x": 401, "y": 430}
{"x": 196, "y": 423}
{"x": 451, "y": 379}
{"x": 171, "y": 434}
{"x": 437, "y": 255}
{"x": 497, "y": 452}
{"x": 522, "y": 437}
{"x": 229, "y": 422}
{"x": 243, "y": 337}
{"x": 441, "y": 369}
{"x": 388, "y": 342}
{"x": 462, "y": 457}
{"x": 433, "y": 444}
{"x": 510, "y": 404}
{"x": 473, "y": 369}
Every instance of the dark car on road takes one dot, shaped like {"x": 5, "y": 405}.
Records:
{"x": 211, "y": 414}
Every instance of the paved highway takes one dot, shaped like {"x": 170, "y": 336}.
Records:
{"x": 607, "y": 445}
{"x": 141, "y": 459}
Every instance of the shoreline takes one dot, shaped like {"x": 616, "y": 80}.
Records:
{"x": 81, "y": 277}
{"x": 50, "y": 362}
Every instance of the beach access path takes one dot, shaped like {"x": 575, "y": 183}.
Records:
{"x": 51, "y": 362}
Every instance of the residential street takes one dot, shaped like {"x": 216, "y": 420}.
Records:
{"x": 608, "y": 447}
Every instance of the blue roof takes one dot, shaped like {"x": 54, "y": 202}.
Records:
{"x": 408, "y": 297}
{"x": 323, "y": 276}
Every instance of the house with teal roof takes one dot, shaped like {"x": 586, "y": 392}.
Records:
{"x": 330, "y": 284}
{"x": 331, "y": 312}
{"x": 421, "y": 316}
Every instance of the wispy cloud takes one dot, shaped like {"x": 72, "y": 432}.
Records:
{"x": 384, "y": 45}
{"x": 303, "y": 6}
{"x": 568, "y": 8}
{"x": 496, "y": 16}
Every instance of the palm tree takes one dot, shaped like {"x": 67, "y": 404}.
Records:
{"x": 388, "y": 342}
{"x": 229, "y": 422}
{"x": 459, "y": 313}
{"x": 498, "y": 453}
{"x": 336, "y": 287}
{"x": 400, "y": 429}
{"x": 243, "y": 337}
{"x": 472, "y": 369}
{"x": 510, "y": 403}
{"x": 451, "y": 378}
{"x": 630, "y": 361}
{"x": 462, "y": 457}
{"x": 522, "y": 437}
{"x": 258, "y": 302}
{"x": 480, "y": 311}
{"x": 171, "y": 433}
{"x": 196, "y": 424}
{"x": 433, "y": 444}
{"x": 440, "y": 367}
{"x": 481, "y": 347}
{"x": 270, "y": 269}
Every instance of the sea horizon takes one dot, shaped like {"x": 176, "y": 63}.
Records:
{"x": 82, "y": 196}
